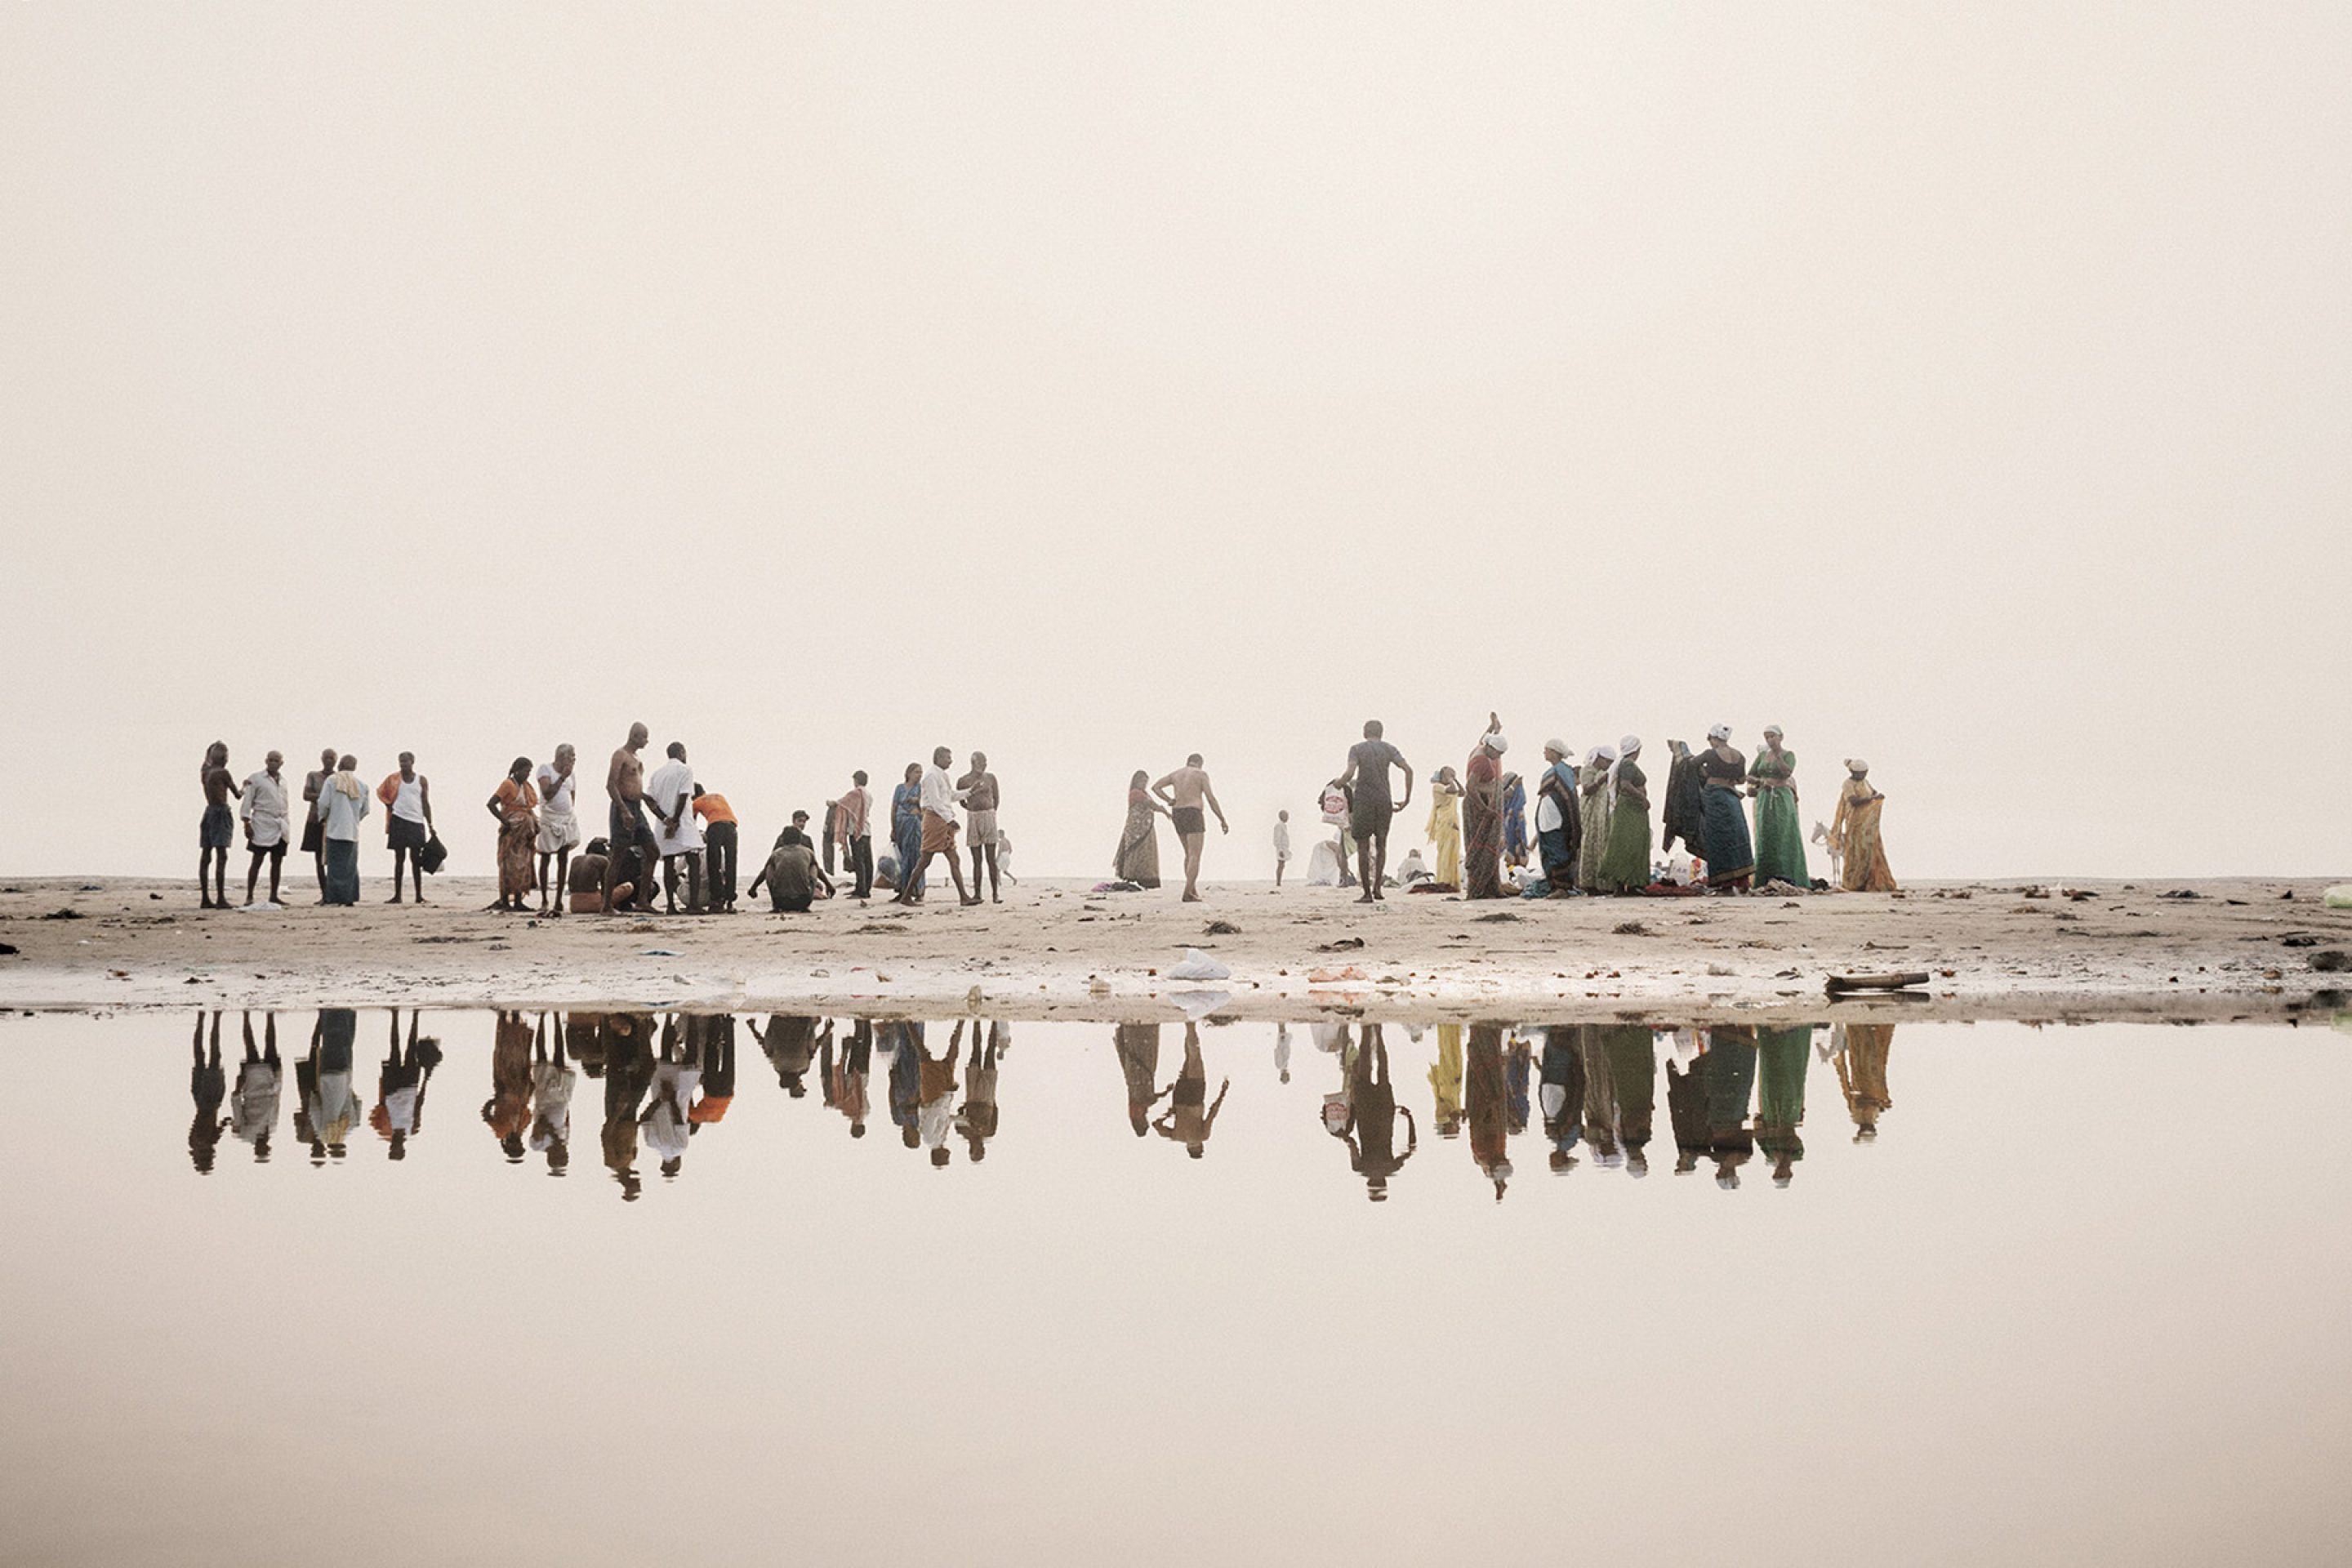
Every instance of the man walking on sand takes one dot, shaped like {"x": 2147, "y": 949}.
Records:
{"x": 314, "y": 841}
{"x": 939, "y": 798}
{"x": 850, "y": 818}
{"x": 979, "y": 797}
{"x": 1369, "y": 806}
{"x": 1185, "y": 792}
{"x": 265, "y": 826}
{"x": 670, "y": 794}
{"x": 629, "y": 838}
{"x": 219, "y": 830}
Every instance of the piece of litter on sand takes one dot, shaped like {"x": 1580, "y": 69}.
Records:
{"x": 7, "y": 950}
{"x": 2331, "y": 962}
{"x": 1719, "y": 970}
{"x": 1839, "y": 982}
{"x": 2180, "y": 893}
{"x": 1198, "y": 966}
{"x": 1344, "y": 944}
{"x": 1498, "y": 915}
{"x": 1335, "y": 976}
{"x": 1221, "y": 928}
{"x": 660, "y": 953}
{"x": 1631, "y": 928}
{"x": 2338, "y": 897}
{"x": 63, "y": 915}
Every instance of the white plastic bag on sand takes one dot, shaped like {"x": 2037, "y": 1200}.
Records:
{"x": 1323, "y": 865}
{"x": 2338, "y": 897}
{"x": 1199, "y": 966}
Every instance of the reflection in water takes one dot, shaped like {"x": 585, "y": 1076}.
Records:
{"x": 399, "y": 1113}
{"x": 1190, "y": 1116}
{"x": 1588, "y": 1091}
{"x": 1860, "y": 1051}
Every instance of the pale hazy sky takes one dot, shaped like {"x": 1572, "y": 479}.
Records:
{"x": 1968, "y": 388}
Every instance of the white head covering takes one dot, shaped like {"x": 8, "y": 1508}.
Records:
{"x": 1600, "y": 755}
{"x": 1493, "y": 740}
{"x": 1630, "y": 746}
{"x": 1776, "y": 730}
{"x": 1856, "y": 766}
{"x": 1558, "y": 748}
{"x": 1718, "y": 732}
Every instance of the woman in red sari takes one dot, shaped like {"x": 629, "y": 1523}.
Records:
{"x": 1481, "y": 816}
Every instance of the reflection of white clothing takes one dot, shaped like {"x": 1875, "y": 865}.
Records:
{"x": 400, "y": 1109}
{"x": 551, "y": 1089}
{"x": 670, "y": 781}
{"x": 558, "y": 828}
{"x": 334, "y": 1110}
{"x": 254, "y": 1111}
{"x": 934, "y": 1118}
{"x": 664, "y": 1121}
{"x": 265, "y": 809}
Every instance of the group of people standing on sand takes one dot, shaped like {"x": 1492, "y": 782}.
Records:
{"x": 662, "y": 828}
{"x": 1593, "y": 821}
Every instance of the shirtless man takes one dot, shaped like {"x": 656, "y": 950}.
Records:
{"x": 981, "y": 796}
{"x": 1366, "y": 785}
{"x": 219, "y": 830}
{"x": 314, "y": 839}
{"x": 1183, "y": 792}
{"x": 631, "y": 839}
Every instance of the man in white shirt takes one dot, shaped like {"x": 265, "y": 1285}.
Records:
{"x": 939, "y": 797}
{"x": 669, "y": 796}
{"x": 559, "y": 824}
{"x": 264, "y": 811}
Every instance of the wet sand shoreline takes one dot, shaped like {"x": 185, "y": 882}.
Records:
{"x": 2242, "y": 948}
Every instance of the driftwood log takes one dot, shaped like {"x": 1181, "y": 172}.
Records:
{"x": 1840, "y": 983}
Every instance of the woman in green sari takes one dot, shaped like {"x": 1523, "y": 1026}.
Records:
{"x": 1779, "y": 842}
{"x": 1625, "y": 864}
{"x": 1593, "y": 799}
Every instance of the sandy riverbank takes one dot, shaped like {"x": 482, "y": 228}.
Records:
{"x": 2239, "y": 949}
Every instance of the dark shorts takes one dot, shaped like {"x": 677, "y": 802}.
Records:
{"x": 273, "y": 851}
{"x": 1369, "y": 819}
{"x": 403, "y": 834}
{"x": 219, "y": 829}
{"x": 313, "y": 836}
{"x": 781, "y": 905}
{"x": 1187, "y": 820}
{"x": 628, "y": 825}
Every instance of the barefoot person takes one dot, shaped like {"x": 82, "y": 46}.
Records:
{"x": 671, "y": 796}
{"x": 314, "y": 843}
{"x": 939, "y": 799}
{"x": 979, "y": 797}
{"x": 1185, "y": 792}
{"x": 852, "y": 819}
{"x": 1281, "y": 845}
{"x": 559, "y": 824}
{"x": 265, "y": 824}
{"x": 219, "y": 830}
{"x": 511, "y": 807}
{"x": 342, "y": 805}
{"x": 630, "y": 838}
{"x": 1366, "y": 781}
{"x": 408, "y": 822}
{"x": 720, "y": 844}
{"x": 793, "y": 877}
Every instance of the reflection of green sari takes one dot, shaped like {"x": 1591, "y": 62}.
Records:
{"x": 1779, "y": 842}
{"x": 1780, "y": 1101}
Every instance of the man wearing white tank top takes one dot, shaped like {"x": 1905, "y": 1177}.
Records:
{"x": 408, "y": 822}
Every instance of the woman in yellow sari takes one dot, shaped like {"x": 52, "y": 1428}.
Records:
{"x": 1854, "y": 834}
{"x": 1445, "y": 827}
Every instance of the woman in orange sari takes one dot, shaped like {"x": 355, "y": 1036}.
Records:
{"x": 517, "y": 836}
{"x": 1854, "y": 834}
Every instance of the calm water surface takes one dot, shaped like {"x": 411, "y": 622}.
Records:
{"x": 645, "y": 1287}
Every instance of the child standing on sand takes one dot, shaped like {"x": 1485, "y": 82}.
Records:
{"x": 1281, "y": 845}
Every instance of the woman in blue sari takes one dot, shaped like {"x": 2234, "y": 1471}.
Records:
{"x": 1515, "y": 820}
{"x": 1723, "y": 775}
{"x": 907, "y": 826}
